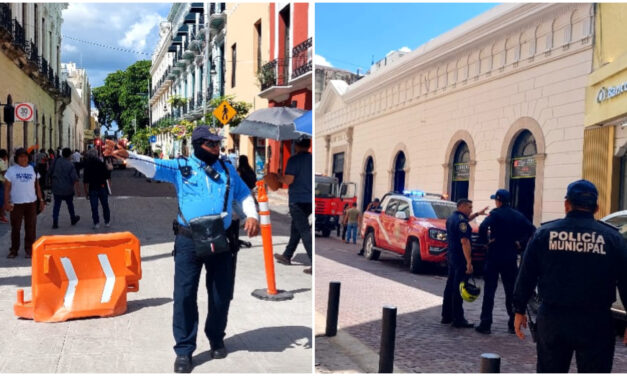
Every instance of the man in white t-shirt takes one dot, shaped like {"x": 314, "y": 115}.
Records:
{"x": 22, "y": 195}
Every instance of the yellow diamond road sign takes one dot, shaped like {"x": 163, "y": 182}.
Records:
{"x": 224, "y": 112}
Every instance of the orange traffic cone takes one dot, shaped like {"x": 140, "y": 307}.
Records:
{"x": 271, "y": 293}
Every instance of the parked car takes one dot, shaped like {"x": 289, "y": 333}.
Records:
{"x": 619, "y": 220}
{"x": 413, "y": 225}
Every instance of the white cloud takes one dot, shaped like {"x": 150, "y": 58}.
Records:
{"x": 69, "y": 48}
{"x": 405, "y": 49}
{"x": 135, "y": 37}
{"x": 320, "y": 60}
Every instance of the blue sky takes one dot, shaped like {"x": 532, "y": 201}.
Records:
{"x": 349, "y": 35}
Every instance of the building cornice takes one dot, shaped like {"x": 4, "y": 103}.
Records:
{"x": 501, "y": 19}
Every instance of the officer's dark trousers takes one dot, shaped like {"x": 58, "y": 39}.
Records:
{"x": 300, "y": 229}
{"x": 590, "y": 334}
{"x": 508, "y": 271}
{"x": 219, "y": 283}
{"x": 452, "y": 303}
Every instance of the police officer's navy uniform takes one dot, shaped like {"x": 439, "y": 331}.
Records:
{"x": 457, "y": 227}
{"x": 506, "y": 226}
{"x": 198, "y": 195}
{"x": 576, "y": 263}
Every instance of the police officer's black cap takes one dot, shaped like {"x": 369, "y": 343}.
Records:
{"x": 205, "y": 133}
{"x": 501, "y": 195}
{"x": 582, "y": 192}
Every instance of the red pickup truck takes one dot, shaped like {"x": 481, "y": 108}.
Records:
{"x": 413, "y": 225}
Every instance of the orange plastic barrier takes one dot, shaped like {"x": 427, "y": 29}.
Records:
{"x": 271, "y": 293}
{"x": 81, "y": 276}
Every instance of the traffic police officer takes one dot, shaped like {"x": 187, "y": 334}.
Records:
{"x": 200, "y": 190}
{"x": 507, "y": 228}
{"x": 458, "y": 233}
{"x": 576, "y": 262}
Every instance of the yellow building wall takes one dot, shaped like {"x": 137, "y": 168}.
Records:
{"x": 22, "y": 88}
{"x": 602, "y": 116}
{"x": 240, "y": 30}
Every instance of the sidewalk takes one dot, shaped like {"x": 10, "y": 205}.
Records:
{"x": 262, "y": 337}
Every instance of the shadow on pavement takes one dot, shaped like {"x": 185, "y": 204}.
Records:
{"x": 283, "y": 337}
{"x": 17, "y": 280}
{"x": 297, "y": 291}
{"x": 136, "y": 305}
{"x": 157, "y": 256}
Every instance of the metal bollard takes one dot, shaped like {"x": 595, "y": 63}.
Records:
{"x": 490, "y": 363}
{"x": 388, "y": 339}
{"x": 333, "y": 308}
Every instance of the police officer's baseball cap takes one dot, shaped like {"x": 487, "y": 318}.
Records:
{"x": 501, "y": 195}
{"x": 205, "y": 133}
{"x": 582, "y": 192}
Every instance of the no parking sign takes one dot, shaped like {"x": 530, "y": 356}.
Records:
{"x": 24, "y": 112}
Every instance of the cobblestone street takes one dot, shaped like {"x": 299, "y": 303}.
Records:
{"x": 422, "y": 343}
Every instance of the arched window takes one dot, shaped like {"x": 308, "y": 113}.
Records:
{"x": 399, "y": 172}
{"x": 368, "y": 182}
{"x": 461, "y": 172}
{"x": 523, "y": 173}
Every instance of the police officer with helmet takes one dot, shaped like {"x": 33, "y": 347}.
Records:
{"x": 206, "y": 188}
{"x": 577, "y": 263}
{"x": 458, "y": 233}
{"x": 502, "y": 231}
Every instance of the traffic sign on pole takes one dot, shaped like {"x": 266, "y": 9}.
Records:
{"x": 24, "y": 112}
{"x": 224, "y": 112}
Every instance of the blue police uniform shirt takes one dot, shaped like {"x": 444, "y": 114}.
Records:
{"x": 198, "y": 194}
{"x": 457, "y": 227}
{"x": 577, "y": 263}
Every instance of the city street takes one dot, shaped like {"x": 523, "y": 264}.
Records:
{"x": 422, "y": 343}
{"x": 262, "y": 336}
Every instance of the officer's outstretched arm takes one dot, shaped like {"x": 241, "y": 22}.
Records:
{"x": 157, "y": 169}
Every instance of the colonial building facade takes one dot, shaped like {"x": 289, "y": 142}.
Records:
{"x": 497, "y": 102}
{"x": 30, "y": 60}
{"x": 76, "y": 116}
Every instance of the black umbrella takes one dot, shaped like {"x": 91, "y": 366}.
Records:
{"x": 276, "y": 123}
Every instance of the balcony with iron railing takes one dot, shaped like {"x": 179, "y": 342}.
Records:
{"x": 301, "y": 58}
{"x": 19, "y": 36}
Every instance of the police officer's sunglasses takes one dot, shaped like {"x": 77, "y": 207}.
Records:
{"x": 211, "y": 144}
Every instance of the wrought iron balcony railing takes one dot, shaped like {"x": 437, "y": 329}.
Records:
{"x": 33, "y": 53}
{"x": 199, "y": 99}
{"x": 50, "y": 74}
{"x": 43, "y": 66}
{"x": 274, "y": 73}
{"x": 301, "y": 58}
{"x": 19, "y": 37}
{"x": 65, "y": 90}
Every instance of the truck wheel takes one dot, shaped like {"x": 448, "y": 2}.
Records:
{"x": 416, "y": 265}
{"x": 369, "y": 252}
{"x": 326, "y": 232}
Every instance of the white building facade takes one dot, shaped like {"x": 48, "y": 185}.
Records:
{"x": 76, "y": 116}
{"x": 497, "y": 102}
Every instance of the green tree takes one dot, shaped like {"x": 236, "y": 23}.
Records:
{"x": 123, "y": 98}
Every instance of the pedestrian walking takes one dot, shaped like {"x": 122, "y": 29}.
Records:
{"x": 205, "y": 235}
{"x": 64, "y": 178}
{"x": 298, "y": 179}
{"x": 232, "y": 157}
{"x": 76, "y": 161}
{"x": 342, "y": 221}
{"x": 95, "y": 179}
{"x": 246, "y": 172}
{"x": 458, "y": 234}
{"x": 503, "y": 232}
{"x": 577, "y": 263}
{"x": 352, "y": 219}
{"x": 41, "y": 163}
{"x": 4, "y": 166}
{"x": 22, "y": 199}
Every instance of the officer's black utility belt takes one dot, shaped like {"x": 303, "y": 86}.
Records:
{"x": 179, "y": 229}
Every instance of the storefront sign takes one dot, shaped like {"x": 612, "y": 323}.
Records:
{"x": 524, "y": 167}
{"x": 461, "y": 172}
{"x": 610, "y": 92}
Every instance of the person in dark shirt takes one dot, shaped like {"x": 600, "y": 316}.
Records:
{"x": 577, "y": 263}
{"x": 298, "y": 177}
{"x": 503, "y": 232}
{"x": 246, "y": 172}
{"x": 95, "y": 179}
